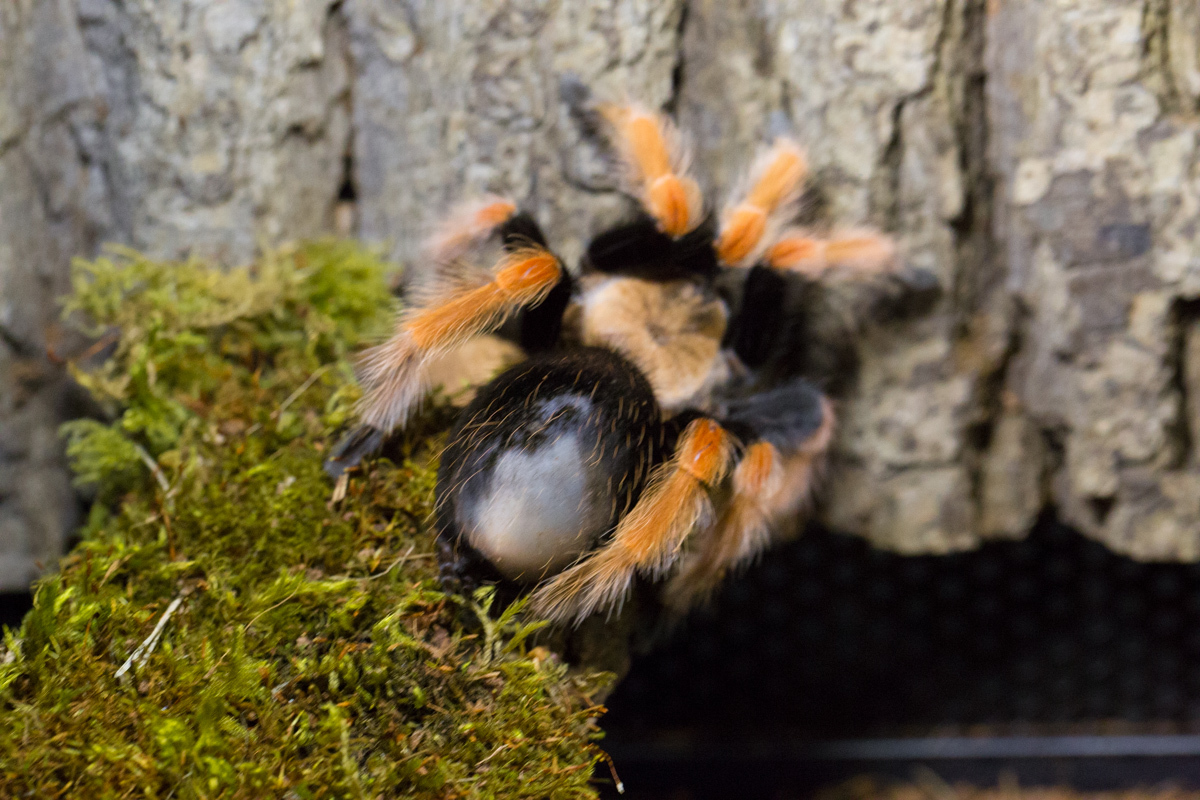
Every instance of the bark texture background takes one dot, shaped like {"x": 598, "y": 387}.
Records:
{"x": 1039, "y": 156}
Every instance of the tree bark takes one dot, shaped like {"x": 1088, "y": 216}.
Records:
{"x": 1039, "y": 158}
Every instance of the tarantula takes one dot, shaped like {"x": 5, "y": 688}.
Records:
{"x": 658, "y": 424}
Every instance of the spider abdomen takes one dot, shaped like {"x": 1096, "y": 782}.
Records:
{"x": 546, "y": 459}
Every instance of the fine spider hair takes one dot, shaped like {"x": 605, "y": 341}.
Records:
{"x": 394, "y": 373}
{"x": 661, "y": 426}
{"x": 656, "y": 162}
{"x": 767, "y": 202}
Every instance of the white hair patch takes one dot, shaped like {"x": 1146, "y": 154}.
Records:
{"x": 538, "y": 514}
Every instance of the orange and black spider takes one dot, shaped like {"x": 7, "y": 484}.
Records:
{"x": 656, "y": 425}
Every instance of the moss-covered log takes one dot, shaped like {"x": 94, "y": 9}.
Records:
{"x": 225, "y": 629}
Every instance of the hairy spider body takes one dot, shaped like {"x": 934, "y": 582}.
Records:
{"x": 546, "y": 459}
{"x": 660, "y": 425}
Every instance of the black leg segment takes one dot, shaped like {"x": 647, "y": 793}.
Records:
{"x": 639, "y": 249}
{"x": 786, "y": 416}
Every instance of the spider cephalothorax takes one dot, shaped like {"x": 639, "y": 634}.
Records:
{"x": 650, "y": 429}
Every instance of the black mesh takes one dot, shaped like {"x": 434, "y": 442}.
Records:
{"x": 832, "y": 638}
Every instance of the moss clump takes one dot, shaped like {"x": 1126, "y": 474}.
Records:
{"x": 306, "y": 650}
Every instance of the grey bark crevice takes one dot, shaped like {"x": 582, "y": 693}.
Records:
{"x": 1155, "y": 55}
{"x": 885, "y": 199}
{"x": 1184, "y": 319}
{"x": 1170, "y": 32}
{"x": 679, "y": 69}
{"x": 999, "y": 511}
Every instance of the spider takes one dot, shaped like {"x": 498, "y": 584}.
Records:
{"x": 655, "y": 423}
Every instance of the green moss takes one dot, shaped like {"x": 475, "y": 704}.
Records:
{"x": 307, "y": 651}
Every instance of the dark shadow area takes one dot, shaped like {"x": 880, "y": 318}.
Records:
{"x": 831, "y": 658}
{"x": 13, "y": 608}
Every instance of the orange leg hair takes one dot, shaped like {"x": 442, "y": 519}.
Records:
{"x": 858, "y": 253}
{"x": 657, "y": 162}
{"x": 767, "y": 486}
{"x": 466, "y": 226}
{"x": 649, "y": 538}
{"x": 394, "y": 373}
{"x": 776, "y": 180}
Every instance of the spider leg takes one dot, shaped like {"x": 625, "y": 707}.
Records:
{"x": 789, "y": 430}
{"x": 648, "y": 539}
{"x": 467, "y": 225}
{"x": 461, "y": 568}
{"x": 356, "y": 445}
{"x": 536, "y": 327}
{"x": 774, "y": 187}
{"x": 767, "y": 319}
{"x": 640, "y": 249}
{"x": 860, "y": 254}
{"x": 760, "y": 316}
{"x": 539, "y": 324}
{"x": 436, "y": 342}
{"x": 394, "y": 374}
{"x": 656, "y": 161}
